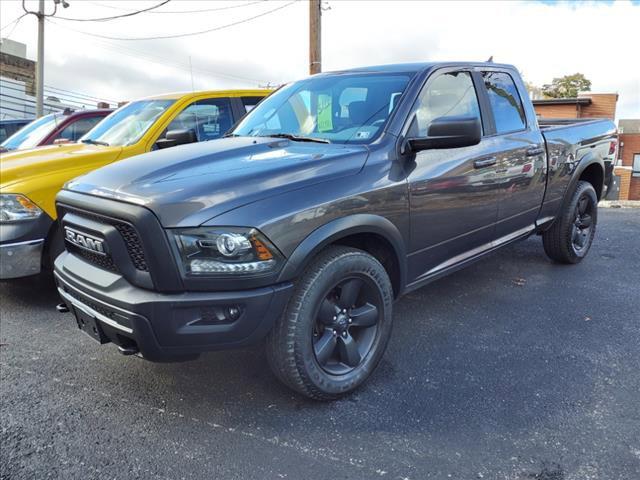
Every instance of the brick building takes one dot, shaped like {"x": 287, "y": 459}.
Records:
{"x": 15, "y": 66}
{"x": 585, "y": 105}
{"x": 603, "y": 105}
{"x": 629, "y": 166}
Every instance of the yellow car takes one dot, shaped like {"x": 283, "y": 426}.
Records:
{"x": 30, "y": 179}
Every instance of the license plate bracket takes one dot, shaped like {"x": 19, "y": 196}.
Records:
{"x": 89, "y": 325}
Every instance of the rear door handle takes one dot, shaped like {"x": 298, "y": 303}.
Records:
{"x": 487, "y": 162}
{"x": 532, "y": 152}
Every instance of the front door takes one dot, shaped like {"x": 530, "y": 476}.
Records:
{"x": 453, "y": 192}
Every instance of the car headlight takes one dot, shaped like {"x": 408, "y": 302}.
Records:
{"x": 215, "y": 251}
{"x": 17, "y": 208}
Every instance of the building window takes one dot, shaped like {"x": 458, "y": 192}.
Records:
{"x": 636, "y": 164}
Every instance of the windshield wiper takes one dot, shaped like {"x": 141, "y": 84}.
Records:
{"x": 297, "y": 138}
{"x": 95, "y": 142}
{"x": 227, "y": 135}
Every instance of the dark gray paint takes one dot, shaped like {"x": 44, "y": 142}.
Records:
{"x": 444, "y": 211}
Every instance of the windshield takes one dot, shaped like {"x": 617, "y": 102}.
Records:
{"x": 32, "y": 134}
{"x": 128, "y": 124}
{"x": 341, "y": 108}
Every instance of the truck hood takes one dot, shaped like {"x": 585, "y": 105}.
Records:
{"x": 22, "y": 165}
{"x": 188, "y": 185}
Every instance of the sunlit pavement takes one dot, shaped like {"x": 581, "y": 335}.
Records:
{"x": 514, "y": 368}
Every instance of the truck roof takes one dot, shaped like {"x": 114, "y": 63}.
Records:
{"x": 420, "y": 66}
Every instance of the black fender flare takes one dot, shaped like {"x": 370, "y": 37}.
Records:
{"x": 585, "y": 162}
{"x": 340, "y": 228}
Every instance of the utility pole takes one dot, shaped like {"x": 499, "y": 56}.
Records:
{"x": 315, "y": 54}
{"x": 40, "y": 61}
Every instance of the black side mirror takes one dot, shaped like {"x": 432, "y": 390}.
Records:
{"x": 448, "y": 132}
{"x": 177, "y": 137}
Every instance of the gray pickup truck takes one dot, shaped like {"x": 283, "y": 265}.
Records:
{"x": 329, "y": 200}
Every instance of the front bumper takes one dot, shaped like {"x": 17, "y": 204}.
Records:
{"x": 21, "y": 247}
{"x": 165, "y": 327}
{"x": 20, "y": 259}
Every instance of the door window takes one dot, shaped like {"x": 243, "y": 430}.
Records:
{"x": 449, "y": 95}
{"x": 209, "y": 118}
{"x": 77, "y": 129}
{"x": 506, "y": 105}
{"x": 250, "y": 102}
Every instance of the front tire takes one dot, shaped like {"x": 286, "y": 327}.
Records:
{"x": 570, "y": 237}
{"x": 336, "y": 326}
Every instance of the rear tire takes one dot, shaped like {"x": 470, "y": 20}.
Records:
{"x": 336, "y": 326}
{"x": 570, "y": 237}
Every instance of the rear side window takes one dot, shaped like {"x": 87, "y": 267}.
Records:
{"x": 449, "y": 95}
{"x": 250, "y": 102}
{"x": 79, "y": 128}
{"x": 506, "y": 105}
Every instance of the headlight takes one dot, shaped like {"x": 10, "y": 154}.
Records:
{"x": 215, "y": 251}
{"x": 16, "y": 208}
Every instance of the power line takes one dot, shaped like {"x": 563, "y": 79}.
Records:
{"x": 60, "y": 98}
{"x": 178, "y": 35}
{"x": 137, "y": 54}
{"x": 79, "y": 95}
{"x": 52, "y": 90}
{"x": 15, "y": 20}
{"x": 217, "y": 9}
{"x": 105, "y": 19}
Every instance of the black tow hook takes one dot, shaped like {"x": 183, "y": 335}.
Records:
{"x": 128, "y": 350}
{"x": 62, "y": 308}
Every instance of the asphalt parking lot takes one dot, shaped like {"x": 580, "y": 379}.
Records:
{"x": 514, "y": 368}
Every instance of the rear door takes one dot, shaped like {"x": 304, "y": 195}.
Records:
{"x": 520, "y": 154}
{"x": 453, "y": 193}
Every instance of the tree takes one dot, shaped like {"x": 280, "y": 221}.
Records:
{"x": 567, "y": 87}
{"x": 535, "y": 92}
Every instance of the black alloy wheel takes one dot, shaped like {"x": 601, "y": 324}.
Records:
{"x": 336, "y": 326}
{"x": 346, "y": 325}
{"x": 581, "y": 229}
{"x": 569, "y": 238}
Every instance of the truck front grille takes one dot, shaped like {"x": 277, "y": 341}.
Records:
{"x": 134, "y": 246}
{"x": 129, "y": 235}
{"x": 103, "y": 261}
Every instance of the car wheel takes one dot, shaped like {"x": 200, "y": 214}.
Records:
{"x": 336, "y": 326}
{"x": 570, "y": 237}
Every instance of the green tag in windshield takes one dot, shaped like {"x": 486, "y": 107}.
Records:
{"x": 325, "y": 122}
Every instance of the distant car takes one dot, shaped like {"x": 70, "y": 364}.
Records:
{"x": 10, "y": 126}
{"x": 30, "y": 179}
{"x": 63, "y": 127}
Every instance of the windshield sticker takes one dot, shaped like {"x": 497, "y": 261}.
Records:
{"x": 363, "y": 135}
{"x": 325, "y": 122}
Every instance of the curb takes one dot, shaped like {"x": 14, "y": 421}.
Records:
{"x": 619, "y": 204}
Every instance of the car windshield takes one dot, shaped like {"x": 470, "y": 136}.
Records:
{"x": 341, "y": 108}
{"x": 32, "y": 134}
{"x": 128, "y": 124}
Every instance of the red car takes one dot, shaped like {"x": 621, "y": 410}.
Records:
{"x": 67, "y": 126}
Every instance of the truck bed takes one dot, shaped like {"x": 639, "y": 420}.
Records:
{"x": 547, "y": 124}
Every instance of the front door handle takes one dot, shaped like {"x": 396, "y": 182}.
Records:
{"x": 487, "y": 162}
{"x": 532, "y": 152}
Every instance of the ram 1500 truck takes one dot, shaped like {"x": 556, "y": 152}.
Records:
{"x": 333, "y": 197}
{"x": 29, "y": 180}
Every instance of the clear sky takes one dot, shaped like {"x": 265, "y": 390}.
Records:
{"x": 544, "y": 39}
